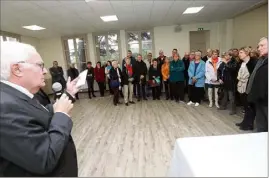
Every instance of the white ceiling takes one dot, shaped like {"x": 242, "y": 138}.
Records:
{"x": 67, "y": 17}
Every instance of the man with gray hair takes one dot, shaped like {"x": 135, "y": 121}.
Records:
{"x": 257, "y": 88}
{"x": 35, "y": 139}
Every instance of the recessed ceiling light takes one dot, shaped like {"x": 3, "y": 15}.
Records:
{"x": 34, "y": 27}
{"x": 89, "y": 0}
{"x": 193, "y": 10}
{"x": 109, "y": 18}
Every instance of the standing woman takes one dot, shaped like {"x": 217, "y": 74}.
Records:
{"x": 90, "y": 79}
{"x": 107, "y": 69}
{"x": 177, "y": 78}
{"x": 99, "y": 74}
{"x": 196, "y": 74}
{"x": 247, "y": 67}
{"x": 155, "y": 76}
{"x": 115, "y": 81}
{"x": 165, "y": 77}
{"x": 212, "y": 65}
{"x": 127, "y": 80}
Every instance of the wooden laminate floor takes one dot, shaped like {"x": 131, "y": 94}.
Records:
{"x": 138, "y": 140}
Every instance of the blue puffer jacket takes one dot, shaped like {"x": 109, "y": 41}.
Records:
{"x": 199, "y": 74}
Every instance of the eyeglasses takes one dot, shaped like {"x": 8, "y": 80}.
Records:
{"x": 41, "y": 65}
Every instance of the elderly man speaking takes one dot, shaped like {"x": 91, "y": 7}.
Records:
{"x": 34, "y": 139}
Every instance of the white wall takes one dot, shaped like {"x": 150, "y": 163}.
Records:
{"x": 52, "y": 50}
{"x": 30, "y": 40}
{"x": 166, "y": 38}
{"x": 250, "y": 27}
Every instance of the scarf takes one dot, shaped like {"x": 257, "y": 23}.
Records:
{"x": 129, "y": 70}
{"x": 214, "y": 62}
{"x": 118, "y": 73}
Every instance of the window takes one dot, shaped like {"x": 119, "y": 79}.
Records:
{"x": 139, "y": 42}
{"x": 107, "y": 46}
{"x": 75, "y": 51}
{"x": 6, "y": 36}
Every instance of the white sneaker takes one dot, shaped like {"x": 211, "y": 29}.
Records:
{"x": 196, "y": 104}
{"x": 211, "y": 105}
{"x": 190, "y": 103}
{"x": 217, "y": 105}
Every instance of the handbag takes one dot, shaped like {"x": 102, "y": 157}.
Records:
{"x": 114, "y": 83}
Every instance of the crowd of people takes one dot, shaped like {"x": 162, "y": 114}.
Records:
{"x": 221, "y": 79}
{"x": 36, "y": 134}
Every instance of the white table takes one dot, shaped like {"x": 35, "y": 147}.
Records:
{"x": 244, "y": 155}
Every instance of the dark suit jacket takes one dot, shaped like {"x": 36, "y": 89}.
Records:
{"x": 34, "y": 141}
{"x": 42, "y": 97}
{"x": 57, "y": 75}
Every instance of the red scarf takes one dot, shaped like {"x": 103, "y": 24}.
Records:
{"x": 129, "y": 70}
{"x": 214, "y": 62}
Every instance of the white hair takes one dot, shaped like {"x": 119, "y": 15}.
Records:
{"x": 12, "y": 53}
{"x": 114, "y": 62}
{"x": 198, "y": 53}
{"x": 263, "y": 38}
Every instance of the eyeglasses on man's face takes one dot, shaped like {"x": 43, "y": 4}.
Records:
{"x": 41, "y": 65}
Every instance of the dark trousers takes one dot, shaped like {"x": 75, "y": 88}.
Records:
{"x": 134, "y": 89}
{"x": 196, "y": 93}
{"x": 261, "y": 117}
{"x": 90, "y": 87}
{"x": 161, "y": 86}
{"x": 167, "y": 88}
{"x": 110, "y": 89}
{"x": 101, "y": 86}
{"x": 139, "y": 88}
{"x": 177, "y": 90}
{"x": 189, "y": 91}
{"x": 228, "y": 95}
{"x": 186, "y": 88}
{"x": 116, "y": 95}
{"x": 155, "y": 92}
{"x": 244, "y": 101}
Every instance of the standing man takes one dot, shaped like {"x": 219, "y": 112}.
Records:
{"x": 174, "y": 52}
{"x": 57, "y": 74}
{"x": 257, "y": 88}
{"x": 133, "y": 61}
{"x": 160, "y": 61}
{"x": 186, "y": 60}
{"x": 73, "y": 73}
{"x": 140, "y": 73}
{"x": 90, "y": 79}
{"x": 208, "y": 55}
{"x": 35, "y": 139}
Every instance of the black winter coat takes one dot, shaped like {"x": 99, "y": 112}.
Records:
{"x": 227, "y": 73}
{"x": 140, "y": 68}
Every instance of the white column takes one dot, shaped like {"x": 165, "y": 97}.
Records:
{"x": 91, "y": 49}
{"x": 123, "y": 47}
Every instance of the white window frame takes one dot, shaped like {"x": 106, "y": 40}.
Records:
{"x": 106, "y": 34}
{"x": 140, "y": 41}
{"x": 5, "y": 34}
{"x": 86, "y": 47}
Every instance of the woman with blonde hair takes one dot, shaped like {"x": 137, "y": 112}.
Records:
{"x": 244, "y": 73}
{"x": 115, "y": 76}
{"x": 212, "y": 65}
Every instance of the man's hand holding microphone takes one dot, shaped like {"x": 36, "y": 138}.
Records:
{"x": 64, "y": 104}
